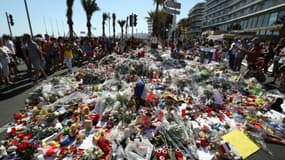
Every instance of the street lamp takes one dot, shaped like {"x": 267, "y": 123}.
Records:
{"x": 27, "y": 11}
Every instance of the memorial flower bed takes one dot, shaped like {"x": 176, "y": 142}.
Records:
{"x": 144, "y": 108}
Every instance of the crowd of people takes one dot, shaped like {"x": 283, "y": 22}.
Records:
{"x": 44, "y": 55}
{"x": 256, "y": 54}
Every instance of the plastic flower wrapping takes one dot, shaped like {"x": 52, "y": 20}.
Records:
{"x": 144, "y": 108}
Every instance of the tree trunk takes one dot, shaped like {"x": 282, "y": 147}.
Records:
{"x": 70, "y": 26}
{"x": 122, "y": 29}
{"x": 154, "y": 24}
{"x": 103, "y": 28}
{"x": 89, "y": 26}
{"x": 114, "y": 31}
{"x": 89, "y": 31}
{"x": 69, "y": 17}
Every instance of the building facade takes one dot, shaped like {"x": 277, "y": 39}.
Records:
{"x": 260, "y": 17}
{"x": 195, "y": 19}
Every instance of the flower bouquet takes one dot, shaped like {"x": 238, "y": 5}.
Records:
{"x": 26, "y": 150}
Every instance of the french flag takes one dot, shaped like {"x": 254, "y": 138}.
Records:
{"x": 141, "y": 90}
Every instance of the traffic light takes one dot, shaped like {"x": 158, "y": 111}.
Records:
{"x": 131, "y": 20}
{"x": 11, "y": 19}
{"x": 135, "y": 20}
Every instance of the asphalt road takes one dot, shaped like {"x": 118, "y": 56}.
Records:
{"x": 12, "y": 97}
{"x": 12, "y": 100}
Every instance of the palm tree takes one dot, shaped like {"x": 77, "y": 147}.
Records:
{"x": 114, "y": 25}
{"x": 156, "y": 17}
{"x": 90, "y": 6}
{"x": 104, "y": 18}
{"x": 122, "y": 23}
{"x": 69, "y": 4}
{"x": 161, "y": 23}
{"x": 150, "y": 17}
{"x": 182, "y": 26}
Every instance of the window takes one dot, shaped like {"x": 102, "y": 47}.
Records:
{"x": 260, "y": 20}
{"x": 262, "y": 32}
{"x": 276, "y": 33}
{"x": 281, "y": 17}
{"x": 245, "y": 24}
{"x": 269, "y": 32}
{"x": 273, "y": 18}
{"x": 242, "y": 24}
{"x": 249, "y": 23}
{"x": 253, "y": 24}
{"x": 265, "y": 20}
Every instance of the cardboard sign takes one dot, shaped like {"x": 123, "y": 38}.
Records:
{"x": 241, "y": 143}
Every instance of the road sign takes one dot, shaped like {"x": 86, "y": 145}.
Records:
{"x": 171, "y": 11}
{"x": 173, "y": 4}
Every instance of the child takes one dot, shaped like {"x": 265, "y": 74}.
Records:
{"x": 68, "y": 56}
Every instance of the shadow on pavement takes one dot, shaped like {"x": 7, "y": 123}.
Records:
{"x": 21, "y": 83}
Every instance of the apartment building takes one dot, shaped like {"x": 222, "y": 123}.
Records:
{"x": 195, "y": 18}
{"x": 261, "y": 17}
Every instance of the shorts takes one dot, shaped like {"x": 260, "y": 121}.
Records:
{"x": 36, "y": 62}
{"x": 4, "y": 69}
{"x": 55, "y": 56}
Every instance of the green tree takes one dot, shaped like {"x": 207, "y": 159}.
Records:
{"x": 182, "y": 27}
{"x": 104, "y": 18}
{"x": 122, "y": 23}
{"x": 90, "y": 6}
{"x": 155, "y": 27}
{"x": 114, "y": 25}
{"x": 69, "y": 12}
{"x": 162, "y": 23}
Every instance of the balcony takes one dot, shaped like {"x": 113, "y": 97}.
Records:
{"x": 238, "y": 9}
{"x": 196, "y": 15}
{"x": 210, "y": 22}
{"x": 194, "y": 30}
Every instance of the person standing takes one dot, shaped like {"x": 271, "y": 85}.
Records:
{"x": 211, "y": 50}
{"x": 277, "y": 50}
{"x": 47, "y": 48}
{"x": 240, "y": 54}
{"x": 252, "y": 56}
{"x": 35, "y": 56}
{"x": 268, "y": 56}
{"x": 13, "y": 59}
{"x": 232, "y": 53}
{"x": 4, "y": 63}
{"x": 86, "y": 48}
{"x": 68, "y": 56}
{"x": 55, "y": 54}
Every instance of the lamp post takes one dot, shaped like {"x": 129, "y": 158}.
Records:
{"x": 27, "y": 11}
{"x": 9, "y": 23}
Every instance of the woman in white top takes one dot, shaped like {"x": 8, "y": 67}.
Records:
{"x": 4, "y": 60}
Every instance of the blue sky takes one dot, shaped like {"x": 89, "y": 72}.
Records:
{"x": 49, "y": 15}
